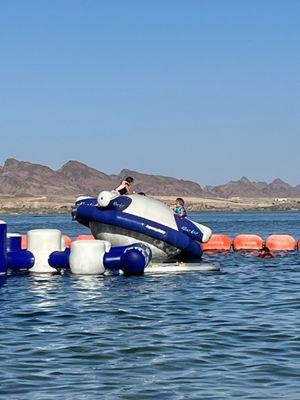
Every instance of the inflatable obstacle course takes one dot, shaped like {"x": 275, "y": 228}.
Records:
{"x": 123, "y": 220}
{"x": 47, "y": 253}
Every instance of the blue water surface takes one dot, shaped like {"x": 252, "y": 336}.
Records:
{"x": 234, "y": 334}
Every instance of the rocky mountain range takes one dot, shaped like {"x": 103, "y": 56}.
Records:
{"x": 20, "y": 178}
{"x": 245, "y": 188}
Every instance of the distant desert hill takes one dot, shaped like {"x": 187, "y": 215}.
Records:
{"x": 158, "y": 185}
{"x": 20, "y": 178}
{"x": 246, "y": 188}
{"x": 86, "y": 179}
{"x": 26, "y": 179}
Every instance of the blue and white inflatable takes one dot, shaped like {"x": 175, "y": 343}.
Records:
{"x": 46, "y": 253}
{"x": 124, "y": 220}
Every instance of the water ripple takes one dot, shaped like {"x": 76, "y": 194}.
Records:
{"x": 232, "y": 334}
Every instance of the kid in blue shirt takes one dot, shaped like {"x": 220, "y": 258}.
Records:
{"x": 179, "y": 208}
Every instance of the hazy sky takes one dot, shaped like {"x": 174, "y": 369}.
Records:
{"x": 205, "y": 90}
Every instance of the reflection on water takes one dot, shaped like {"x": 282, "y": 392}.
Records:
{"x": 44, "y": 289}
{"x": 231, "y": 334}
{"x": 88, "y": 288}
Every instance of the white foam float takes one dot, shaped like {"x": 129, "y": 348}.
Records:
{"x": 86, "y": 257}
{"x": 41, "y": 243}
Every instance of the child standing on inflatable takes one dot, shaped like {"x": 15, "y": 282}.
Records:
{"x": 125, "y": 186}
{"x": 179, "y": 207}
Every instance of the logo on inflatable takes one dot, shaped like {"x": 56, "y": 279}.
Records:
{"x": 117, "y": 205}
{"x": 190, "y": 231}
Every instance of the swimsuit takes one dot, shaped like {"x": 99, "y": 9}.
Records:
{"x": 123, "y": 188}
{"x": 180, "y": 210}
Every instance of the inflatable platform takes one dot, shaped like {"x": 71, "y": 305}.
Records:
{"x": 124, "y": 220}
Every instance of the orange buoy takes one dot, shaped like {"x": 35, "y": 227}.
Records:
{"x": 298, "y": 244}
{"x": 281, "y": 242}
{"x": 85, "y": 237}
{"x": 217, "y": 242}
{"x": 24, "y": 242}
{"x": 67, "y": 241}
{"x": 247, "y": 242}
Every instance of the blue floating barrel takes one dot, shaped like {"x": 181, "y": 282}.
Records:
{"x": 3, "y": 245}
{"x": 14, "y": 242}
{"x": 16, "y": 257}
{"x": 112, "y": 259}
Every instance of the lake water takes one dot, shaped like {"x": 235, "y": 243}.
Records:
{"x": 234, "y": 334}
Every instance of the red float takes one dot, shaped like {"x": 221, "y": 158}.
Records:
{"x": 67, "y": 240}
{"x": 247, "y": 242}
{"x": 85, "y": 237}
{"x": 217, "y": 242}
{"x": 24, "y": 242}
{"x": 281, "y": 243}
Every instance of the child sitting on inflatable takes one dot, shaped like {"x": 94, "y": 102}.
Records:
{"x": 125, "y": 186}
{"x": 179, "y": 207}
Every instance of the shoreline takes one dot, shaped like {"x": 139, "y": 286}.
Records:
{"x": 43, "y": 205}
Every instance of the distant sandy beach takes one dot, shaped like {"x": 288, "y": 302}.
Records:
{"x": 62, "y": 205}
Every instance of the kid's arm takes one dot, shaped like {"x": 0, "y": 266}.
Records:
{"x": 129, "y": 189}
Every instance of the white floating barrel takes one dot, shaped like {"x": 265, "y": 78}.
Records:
{"x": 86, "y": 257}
{"x": 41, "y": 243}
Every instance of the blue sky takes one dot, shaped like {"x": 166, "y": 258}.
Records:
{"x": 203, "y": 90}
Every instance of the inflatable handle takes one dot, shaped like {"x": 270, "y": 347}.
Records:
{"x": 104, "y": 198}
{"x": 60, "y": 259}
{"x": 20, "y": 259}
{"x": 132, "y": 260}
